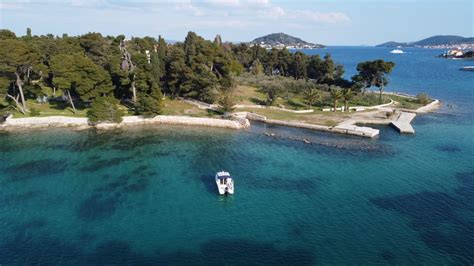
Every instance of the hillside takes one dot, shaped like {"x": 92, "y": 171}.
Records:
{"x": 394, "y": 44}
{"x": 280, "y": 40}
{"x": 434, "y": 41}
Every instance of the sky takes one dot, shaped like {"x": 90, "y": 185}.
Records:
{"x": 329, "y": 22}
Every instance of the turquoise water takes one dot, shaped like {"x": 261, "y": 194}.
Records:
{"x": 147, "y": 195}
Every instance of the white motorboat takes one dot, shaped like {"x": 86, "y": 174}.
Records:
{"x": 225, "y": 183}
{"x": 467, "y": 68}
{"x": 397, "y": 51}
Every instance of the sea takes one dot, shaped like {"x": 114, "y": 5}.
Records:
{"x": 147, "y": 195}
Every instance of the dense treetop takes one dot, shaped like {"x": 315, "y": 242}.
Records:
{"x": 139, "y": 71}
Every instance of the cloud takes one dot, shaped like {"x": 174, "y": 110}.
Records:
{"x": 9, "y": 6}
{"x": 293, "y": 17}
{"x": 235, "y": 3}
{"x": 274, "y": 12}
{"x": 329, "y": 17}
{"x": 189, "y": 8}
{"x": 13, "y": 4}
{"x": 260, "y": 2}
{"x": 218, "y": 24}
{"x": 237, "y": 19}
{"x": 223, "y": 3}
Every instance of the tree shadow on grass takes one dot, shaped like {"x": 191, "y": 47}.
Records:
{"x": 212, "y": 112}
{"x": 66, "y": 106}
{"x": 296, "y": 105}
{"x": 258, "y": 101}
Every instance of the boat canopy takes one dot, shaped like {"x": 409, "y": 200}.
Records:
{"x": 223, "y": 176}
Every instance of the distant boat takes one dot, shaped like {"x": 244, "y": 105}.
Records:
{"x": 225, "y": 183}
{"x": 397, "y": 51}
{"x": 467, "y": 68}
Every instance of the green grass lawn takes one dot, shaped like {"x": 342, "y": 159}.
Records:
{"x": 49, "y": 110}
{"x": 170, "y": 107}
{"x": 406, "y": 103}
{"x": 251, "y": 95}
{"x": 244, "y": 95}
{"x": 176, "y": 107}
{"x": 248, "y": 95}
{"x": 317, "y": 117}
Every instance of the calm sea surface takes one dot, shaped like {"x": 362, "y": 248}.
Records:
{"x": 147, "y": 195}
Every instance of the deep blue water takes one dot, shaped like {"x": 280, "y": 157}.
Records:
{"x": 146, "y": 195}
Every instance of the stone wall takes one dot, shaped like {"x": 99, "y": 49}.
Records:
{"x": 82, "y": 122}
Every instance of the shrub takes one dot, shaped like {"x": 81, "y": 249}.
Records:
{"x": 423, "y": 98}
{"x": 236, "y": 67}
{"x": 227, "y": 102}
{"x": 149, "y": 106}
{"x": 257, "y": 68}
{"x": 273, "y": 90}
{"x": 34, "y": 112}
{"x": 105, "y": 109}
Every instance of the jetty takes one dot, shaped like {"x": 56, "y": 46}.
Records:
{"x": 348, "y": 129}
{"x": 403, "y": 123}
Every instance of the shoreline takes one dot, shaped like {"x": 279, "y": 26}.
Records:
{"x": 240, "y": 120}
{"x": 80, "y": 123}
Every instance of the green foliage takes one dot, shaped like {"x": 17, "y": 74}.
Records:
{"x": 311, "y": 94}
{"x": 105, "y": 110}
{"x": 92, "y": 66}
{"x": 227, "y": 102}
{"x": 282, "y": 62}
{"x": 17, "y": 63}
{"x": 80, "y": 75}
{"x": 347, "y": 95}
{"x": 7, "y": 34}
{"x": 28, "y": 32}
{"x": 156, "y": 67}
{"x": 257, "y": 67}
{"x": 315, "y": 68}
{"x": 236, "y": 67}
{"x": 273, "y": 90}
{"x": 423, "y": 98}
{"x": 299, "y": 65}
{"x": 336, "y": 94}
{"x": 34, "y": 112}
{"x": 368, "y": 99}
{"x": 15, "y": 53}
{"x": 373, "y": 73}
{"x": 149, "y": 106}
{"x": 95, "y": 47}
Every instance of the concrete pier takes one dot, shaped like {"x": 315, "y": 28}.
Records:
{"x": 402, "y": 124}
{"x": 341, "y": 128}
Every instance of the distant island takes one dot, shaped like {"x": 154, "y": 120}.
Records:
{"x": 438, "y": 42}
{"x": 282, "y": 40}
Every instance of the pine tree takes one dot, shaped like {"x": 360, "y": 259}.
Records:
{"x": 105, "y": 110}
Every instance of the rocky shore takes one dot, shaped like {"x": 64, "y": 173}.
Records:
{"x": 83, "y": 123}
{"x": 239, "y": 120}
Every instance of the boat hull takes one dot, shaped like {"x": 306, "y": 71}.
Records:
{"x": 225, "y": 183}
